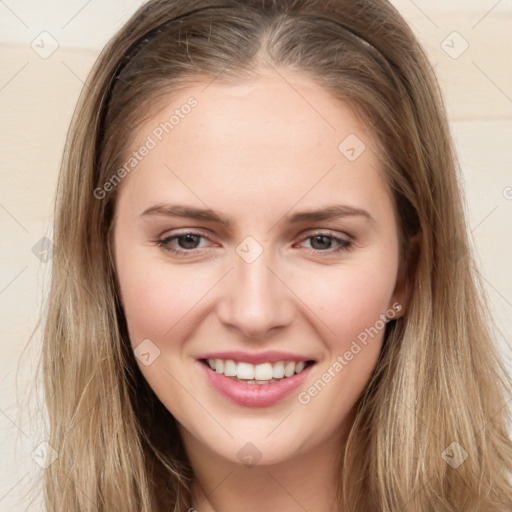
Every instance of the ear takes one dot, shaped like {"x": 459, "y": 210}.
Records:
{"x": 403, "y": 287}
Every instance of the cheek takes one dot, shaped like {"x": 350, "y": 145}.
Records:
{"x": 157, "y": 299}
{"x": 351, "y": 306}
{"x": 347, "y": 301}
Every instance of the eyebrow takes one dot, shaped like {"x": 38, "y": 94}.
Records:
{"x": 327, "y": 213}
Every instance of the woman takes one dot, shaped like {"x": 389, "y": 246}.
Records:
{"x": 264, "y": 294}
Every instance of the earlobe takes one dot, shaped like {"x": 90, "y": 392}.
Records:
{"x": 405, "y": 278}
{"x": 395, "y": 311}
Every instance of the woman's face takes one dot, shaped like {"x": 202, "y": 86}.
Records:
{"x": 255, "y": 231}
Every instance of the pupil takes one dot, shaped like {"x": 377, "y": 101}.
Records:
{"x": 190, "y": 241}
{"x": 321, "y": 238}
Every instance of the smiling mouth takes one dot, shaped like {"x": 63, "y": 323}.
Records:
{"x": 264, "y": 373}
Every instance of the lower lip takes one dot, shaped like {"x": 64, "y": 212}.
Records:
{"x": 254, "y": 395}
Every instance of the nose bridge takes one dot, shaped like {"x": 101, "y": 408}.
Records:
{"x": 254, "y": 299}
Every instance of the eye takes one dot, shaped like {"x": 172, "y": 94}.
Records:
{"x": 324, "y": 242}
{"x": 186, "y": 242}
{"x": 183, "y": 244}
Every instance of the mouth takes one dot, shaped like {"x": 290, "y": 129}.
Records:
{"x": 263, "y": 373}
{"x": 262, "y": 384}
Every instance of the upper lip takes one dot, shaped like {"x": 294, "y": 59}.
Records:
{"x": 241, "y": 356}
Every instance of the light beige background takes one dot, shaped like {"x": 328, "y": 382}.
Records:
{"x": 37, "y": 97}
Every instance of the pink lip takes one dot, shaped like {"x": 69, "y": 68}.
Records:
{"x": 254, "y": 395}
{"x": 255, "y": 358}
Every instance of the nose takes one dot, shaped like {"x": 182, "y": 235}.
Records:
{"x": 255, "y": 298}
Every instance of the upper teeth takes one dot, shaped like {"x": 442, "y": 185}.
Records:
{"x": 248, "y": 371}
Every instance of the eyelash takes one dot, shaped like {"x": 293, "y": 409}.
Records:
{"x": 344, "y": 245}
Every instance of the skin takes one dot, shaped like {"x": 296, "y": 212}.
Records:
{"x": 256, "y": 154}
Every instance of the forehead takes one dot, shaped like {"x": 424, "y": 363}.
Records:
{"x": 279, "y": 139}
{"x": 258, "y": 110}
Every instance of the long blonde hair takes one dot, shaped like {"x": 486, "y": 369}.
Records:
{"x": 439, "y": 389}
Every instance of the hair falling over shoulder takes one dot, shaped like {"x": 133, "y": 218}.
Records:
{"x": 439, "y": 384}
